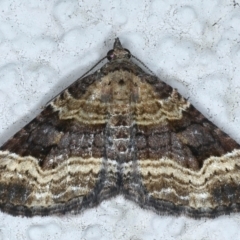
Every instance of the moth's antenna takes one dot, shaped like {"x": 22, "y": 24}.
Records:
{"x": 92, "y": 68}
{"x": 143, "y": 65}
{"x": 77, "y": 79}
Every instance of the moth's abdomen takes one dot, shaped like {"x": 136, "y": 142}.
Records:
{"x": 119, "y": 136}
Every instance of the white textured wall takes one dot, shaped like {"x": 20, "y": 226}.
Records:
{"x": 192, "y": 45}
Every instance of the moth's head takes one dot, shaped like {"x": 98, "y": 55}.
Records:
{"x": 118, "y": 52}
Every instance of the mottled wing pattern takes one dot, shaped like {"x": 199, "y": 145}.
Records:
{"x": 120, "y": 131}
{"x": 57, "y": 162}
{"x": 185, "y": 164}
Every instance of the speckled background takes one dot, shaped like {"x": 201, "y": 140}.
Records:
{"x": 192, "y": 45}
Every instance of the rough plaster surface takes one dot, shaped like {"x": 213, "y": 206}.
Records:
{"x": 192, "y": 45}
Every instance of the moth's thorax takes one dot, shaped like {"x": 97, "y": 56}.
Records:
{"x": 120, "y": 88}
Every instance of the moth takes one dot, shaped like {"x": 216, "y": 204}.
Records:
{"x": 123, "y": 131}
